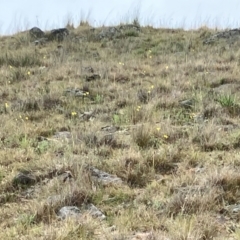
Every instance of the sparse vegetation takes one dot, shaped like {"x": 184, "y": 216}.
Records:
{"x": 141, "y": 122}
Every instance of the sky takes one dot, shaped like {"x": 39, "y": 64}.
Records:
{"x": 20, "y": 15}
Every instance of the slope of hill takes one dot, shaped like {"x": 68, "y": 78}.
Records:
{"x": 122, "y": 132}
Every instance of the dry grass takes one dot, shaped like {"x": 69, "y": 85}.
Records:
{"x": 178, "y": 162}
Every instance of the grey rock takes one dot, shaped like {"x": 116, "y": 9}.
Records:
{"x": 95, "y": 212}
{"x": 87, "y": 116}
{"x": 103, "y": 177}
{"x": 36, "y": 32}
{"x": 66, "y": 176}
{"x": 134, "y": 27}
{"x": 235, "y": 208}
{"x": 109, "y": 33}
{"x": 58, "y": 34}
{"x": 187, "y": 103}
{"x": 40, "y": 41}
{"x": 62, "y": 135}
{"x": 110, "y": 129}
{"x": 233, "y": 34}
{"x": 24, "y": 179}
{"x": 69, "y": 211}
{"x": 75, "y": 92}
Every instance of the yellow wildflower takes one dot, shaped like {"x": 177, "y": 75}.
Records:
{"x": 138, "y": 108}
{"x": 74, "y": 113}
{"x": 28, "y": 72}
{"x": 6, "y": 105}
{"x": 165, "y": 136}
{"x": 158, "y": 129}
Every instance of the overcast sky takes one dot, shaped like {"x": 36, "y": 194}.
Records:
{"x": 17, "y": 15}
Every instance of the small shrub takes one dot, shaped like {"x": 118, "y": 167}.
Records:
{"x": 227, "y": 100}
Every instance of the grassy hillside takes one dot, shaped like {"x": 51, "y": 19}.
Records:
{"x": 155, "y": 109}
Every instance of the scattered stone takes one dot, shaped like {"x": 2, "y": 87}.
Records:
{"x": 95, "y": 212}
{"x": 58, "y": 34}
{"x": 187, "y": 103}
{"x": 109, "y": 33}
{"x": 110, "y": 129}
{"x": 134, "y": 27}
{"x": 235, "y": 208}
{"x": 24, "y": 179}
{"x": 36, "y": 32}
{"x": 68, "y": 212}
{"x": 87, "y": 116}
{"x": 233, "y": 34}
{"x": 76, "y": 92}
{"x": 66, "y": 176}
{"x": 63, "y": 135}
{"x": 103, "y": 177}
{"x": 40, "y": 41}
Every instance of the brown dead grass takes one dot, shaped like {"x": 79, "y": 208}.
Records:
{"x": 179, "y": 165}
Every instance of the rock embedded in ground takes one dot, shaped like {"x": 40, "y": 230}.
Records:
{"x": 68, "y": 212}
{"x": 87, "y": 116}
{"x": 103, "y": 177}
{"x": 76, "y": 92}
{"x": 187, "y": 103}
{"x": 95, "y": 212}
{"x": 36, "y": 32}
{"x": 109, "y": 33}
{"x": 66, "y": 176}
{"x": 62, "y": 135}
{"x": 40, "y": 41}
{"x": 24, "y": 179}
{"x": 58, "y": 34}
{"x": 232, "y": 34}
{"x": 110, "y": 129}
{"x": 233, "y": 209}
